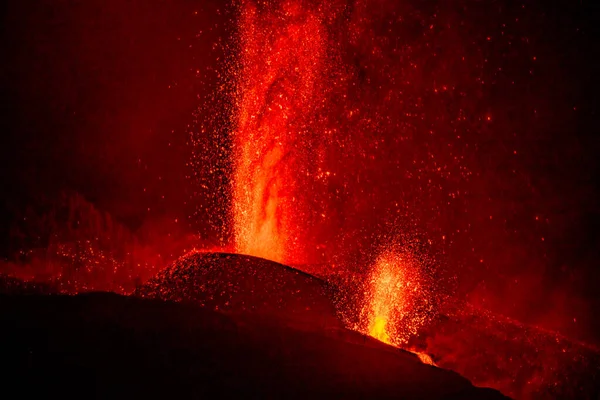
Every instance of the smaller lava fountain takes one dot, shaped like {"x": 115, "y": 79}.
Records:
{"x": 394, "y": 298}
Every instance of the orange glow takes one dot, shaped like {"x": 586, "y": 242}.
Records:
{"x": 258, "y": 210}
{"x": 379, "y": 329}
{"x": 393, "y": 293}
{"x": 425, "y": 358}
{"x": 277, "y": 79}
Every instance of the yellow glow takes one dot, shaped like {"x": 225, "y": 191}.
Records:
{"x": 379, "y": 330}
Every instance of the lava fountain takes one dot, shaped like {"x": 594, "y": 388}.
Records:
{"x": 278, "y": 89}
{"x": 395, "y": 296}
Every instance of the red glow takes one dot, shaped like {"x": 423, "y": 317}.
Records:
{"x": 390, "y": 312}
{"x": 350, "y": 125}
{"x": 277, "y": 89}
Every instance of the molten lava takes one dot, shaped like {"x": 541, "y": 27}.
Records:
{"x": 391, "y": 311}
{"x": 379, "y": 329}
{"x": 277, "y": 89}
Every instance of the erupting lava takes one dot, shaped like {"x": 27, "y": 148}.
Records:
{"x": 285, "y": 79}
{"x": 277, "y": 88}
{"x": 343, "y": 121}
{"x": 392, "y": 295}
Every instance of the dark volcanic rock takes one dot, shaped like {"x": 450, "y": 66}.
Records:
{"x": 109, "y": 346}
{"x": 520, "y": 360}
{"x": 244, "y": 284}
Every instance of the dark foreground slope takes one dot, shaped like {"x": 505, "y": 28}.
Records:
{"x": 109, "y": 346}
{"x": 210, "y": 326}
{"x": 520, "y": 360}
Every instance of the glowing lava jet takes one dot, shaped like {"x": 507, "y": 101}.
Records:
{"x": 278, "y": 85}
{"x": 392, "y": 311}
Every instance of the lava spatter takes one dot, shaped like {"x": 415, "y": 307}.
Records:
{"x": 279, "y": 86}
{"x": 397, "y": 298}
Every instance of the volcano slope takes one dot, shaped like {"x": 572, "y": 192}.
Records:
{"x": 273, "y": 336}
{"x": 241, "y": 284}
